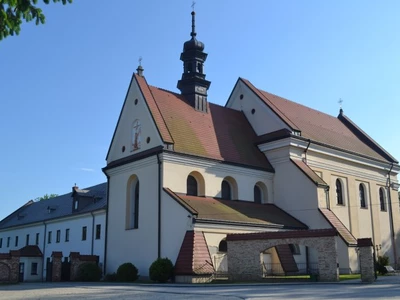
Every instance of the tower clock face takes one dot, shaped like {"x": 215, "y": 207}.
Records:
{"x": 200, "y": 89}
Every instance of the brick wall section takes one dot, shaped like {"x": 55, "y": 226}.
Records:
{"x": 77, "y": 260}
{"x": 9, "y": 267}
{"x": 56, "y": 266}
{"x": 366, "y": 260}
{"x": 244, "y": 255}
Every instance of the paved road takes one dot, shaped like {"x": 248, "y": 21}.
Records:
{"x": 385, "y": 288}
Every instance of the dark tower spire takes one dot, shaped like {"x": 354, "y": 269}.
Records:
{"x": 193, "y": 84}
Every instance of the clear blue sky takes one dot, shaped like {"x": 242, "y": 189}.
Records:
{"x": 62, "y": 84}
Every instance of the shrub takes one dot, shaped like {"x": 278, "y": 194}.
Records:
{"x": 89, "y": 272}
{"x": 127, "y": 272}
{"x": 381, "y": 263}
{"x": 111, "y": 277}
{"x": 161, "y": 270}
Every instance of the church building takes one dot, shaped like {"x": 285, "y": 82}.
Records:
{"x": 183, "y": 172}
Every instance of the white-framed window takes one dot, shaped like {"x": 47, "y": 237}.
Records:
{"x": 362, "y": 195}
{"x": 382, "y": 199}
{"x": 132, "y": 203}
{"x": 339, "y": 192}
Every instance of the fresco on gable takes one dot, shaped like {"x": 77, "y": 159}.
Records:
{"x": 136, "y": 135}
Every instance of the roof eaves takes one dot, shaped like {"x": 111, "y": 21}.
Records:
{"x": 180, "y": 201}
{"x": 363, "y": 136}
{"x": 240, "y": 223}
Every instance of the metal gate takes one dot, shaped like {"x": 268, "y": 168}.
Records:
{"x": 65, "y": 270}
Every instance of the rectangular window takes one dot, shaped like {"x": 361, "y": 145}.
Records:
{"x": 67, "y": 235}
{"x": 34, "y": 268}
{"x": 58, "y": 236}
{"x": 16, "y": 241}
{"x": 84, "y": 231}
{"x": 98, "y": 231}
{"x": 27, "y": 240}
{"x": 49, "y": 238}
{"x": 8, "y": 242}
{"x": 1, "y": 242}
{"x": 37, "y": 239}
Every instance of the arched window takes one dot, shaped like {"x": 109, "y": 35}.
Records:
{"x": 132, "y": 211}
{"x": 339, "y": 192}
{"x": 382, "y": 199}
{"x": 361, "y": 195}
{"x": 191, "y": 186}
{"x": 226, "y": 192}
{"x": 295, "y": 249}
{"x": 223, "y": 246}
{"x": 257, "y": 194}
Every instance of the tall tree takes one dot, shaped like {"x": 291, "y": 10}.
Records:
{"x": 46, "y": 197}
{"x": 13, "y": 12}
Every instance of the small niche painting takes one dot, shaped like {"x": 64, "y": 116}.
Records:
{"x": 136, "y": 135}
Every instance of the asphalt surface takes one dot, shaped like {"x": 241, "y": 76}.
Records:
{"x": 387, "y": 287}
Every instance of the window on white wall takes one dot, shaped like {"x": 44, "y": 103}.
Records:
{"x": 8, "y": 242}
{"x": 84, "y": 233}
{"x": 34, "y": 268}
{"x": 58, "y": 236}
{"x": 49, "y": 237}
{"x": 339, "y": 192}
{"x": 37, "y": 239}
{"x": 382, "y": 199}
{"x": 361, "y": 196}
{"x": 191, "y": 186}
{"x": 27, "y": 240}
{"x": 16, "y": 241}
{"x": 226, "y": 191}
{"x": 98, "y": 231}
{"x": 1, "y": 242}
{"x": 132, "y": 203}
{"x": 67, "y": 235}
{"x": 257, "y": 194}
{"x": 260, "y": 193}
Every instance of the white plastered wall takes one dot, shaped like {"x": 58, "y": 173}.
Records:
{"x": 27, "y": 261}
{"x": 138, "y": 246}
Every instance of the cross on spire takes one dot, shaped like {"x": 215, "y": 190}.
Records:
{"x": 140, "y": 61}
{"x": 193, "y": 5}
{"x": 340, "y": 104}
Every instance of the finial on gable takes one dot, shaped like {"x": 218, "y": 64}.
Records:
{"x": 140, "y": 68}
{"x": 340, "y": 103}
{"x": 193, "y": 33}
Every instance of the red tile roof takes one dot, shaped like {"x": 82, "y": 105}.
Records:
{"x": 309, "y": 172}
{"x": 194, "y": 257}
{"x": 281, "y": 234}
{"x": 223, "y": 134}
{"x": 344, "y": 233}
{"x": 236, "y": 212}
{"x": 317, "y": 126}
{"x": 30, "y": 251}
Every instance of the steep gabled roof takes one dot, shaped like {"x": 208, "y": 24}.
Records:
{"x": 53, "y": 208}
{"x": 344, "y": 233}
{"x": 320, "y": 127}
{"x": 215, "y": 210}
{"x": 222, "y": 134}
{"x": 309, "y": 172}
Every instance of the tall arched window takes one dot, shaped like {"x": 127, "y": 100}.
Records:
{"x": 132, "y": 221}
{"x": 339, "y": 192}
{"x": 226, "y": 192}
{"x": 361, "y": 195}
{"x": 191, "y": 186}
{"x": 382, "y": 199}
{"x": 257, "y": 194}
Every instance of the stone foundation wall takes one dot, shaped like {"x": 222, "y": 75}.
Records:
{"x": 56, "y": 266}
{"x": 366, "y": 260}
{"x": 9, "y": 267}
{"x": 244, "y": 256}
{"x": 77, "y": 260}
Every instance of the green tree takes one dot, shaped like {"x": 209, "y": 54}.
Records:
{"x": 13, "y": 12}
{"x": 46, "y": 197}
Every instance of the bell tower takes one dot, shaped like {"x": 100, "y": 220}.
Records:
{"x": 193, "y": 84}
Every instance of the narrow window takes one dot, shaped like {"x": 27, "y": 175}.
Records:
{"x": 339, "y": 192}
{"x": 58, "y": 236}
{"x": 98, "y": 231}
{"x": 226, "y": 192}
{"x": 37, "y": 239}
{"x": 295, "y": 249}
{"x": 382, "y": 199}
{"x": 16, "y": 241}
{"x": 76, "y": 205}
{"x": 257, "y": 194}
{"x": 34, "y": 268}
{"x": 1, "y": 242}
{"x": 49, "y": 237}
{"x": 27, "y": 240}
{"x": 67, "y": 235}
{"x": 134, "y": 205}
{"x": 191, "y": 186}
{"x": 361, "y": 195}
{"x": 84, "y": 232}
{"x": 8, "y": 242}
{"x": 223, "y": 246}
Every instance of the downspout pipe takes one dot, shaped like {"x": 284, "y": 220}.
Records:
{"x": 91, "y": 246}
{"x": 159, "y": 206}
{"x": 106, "y": 229}
{"x": 305, "y": 151}
{"x": 44, "y": 263}
{"x": 391, "y": 216}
